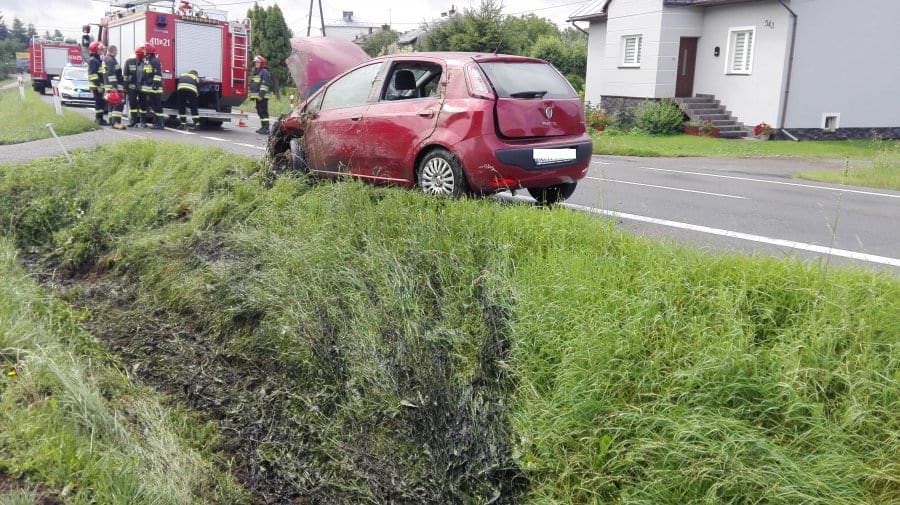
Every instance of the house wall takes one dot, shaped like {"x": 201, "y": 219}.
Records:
{"x": 630, "y": 17}
{"x": 348, "y": 32}
{"x": 677, "y": 22}
{"x": 753, "y": 98}
{"x": 846, "y": 62}
{"x": 593, "y": 85}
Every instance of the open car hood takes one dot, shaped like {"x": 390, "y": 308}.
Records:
{"x": 316, "y": 60}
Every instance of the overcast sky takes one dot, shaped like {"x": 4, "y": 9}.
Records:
{"x": 69, "y": 15}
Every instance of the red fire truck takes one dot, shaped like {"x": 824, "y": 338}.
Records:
{"x": 187, "y": 39}
{"x": 46, "y": 60}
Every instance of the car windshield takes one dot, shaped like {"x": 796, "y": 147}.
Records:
{"x": 527, "y": 80}
{"x": 75, "y": 74}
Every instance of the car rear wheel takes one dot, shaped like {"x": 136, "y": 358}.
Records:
{"x": 553, "y": 194}
{"x": 440, "y": 173}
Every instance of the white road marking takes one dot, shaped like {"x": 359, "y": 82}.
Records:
{"x": 802, "y": 246}
{"x": 217, "y": 139}
{"x": 244, "y": 145}
{"x": 260, "y": 148}
{"x": 598, "y": 162}
{"x": 180, "y": 131}
{"x": 667, "y": 187}
{"x": 872, "y": 193}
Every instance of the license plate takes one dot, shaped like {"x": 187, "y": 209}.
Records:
{"x": 85, "y": 95}
{"x": 551, "y": 156}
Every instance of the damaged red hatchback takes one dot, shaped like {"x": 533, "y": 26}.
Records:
{"x": 449, "y": 123}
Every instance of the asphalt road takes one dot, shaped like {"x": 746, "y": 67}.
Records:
{"x": 743, "y": 205}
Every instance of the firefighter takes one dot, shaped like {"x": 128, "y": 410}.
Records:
{"x": 132, "y": 84}
{"x": 151, "y": 86}
{"x": 97, "y": 78}
{"x": 188, "y": 96}
{"x": 114, "y": 86}
{"x": 259, "y": 91}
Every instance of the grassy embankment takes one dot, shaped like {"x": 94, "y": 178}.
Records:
{"x": 634, "y": 144}
{"x": 71, "y": 419}
{"x": 24, "y": 121}
{"x": 363, "y": 345}
{"x": 884, "y": 172}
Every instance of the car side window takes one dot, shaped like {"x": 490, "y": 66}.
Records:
{"x": 316, "y": 104}
{"x": 412, "y": 79}
{"x": 351, "y": 90}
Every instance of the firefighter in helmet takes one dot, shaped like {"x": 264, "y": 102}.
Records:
{"x": 151, "y": 86}
{"x": 97, "y": 79}
{"x": 188, "y": 94}
{"x": 115, "y": 97}
{"x": 131, "y": 74}
{"x": 259, "y": 91}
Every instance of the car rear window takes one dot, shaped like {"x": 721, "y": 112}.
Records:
{"x": 519, "y": 80}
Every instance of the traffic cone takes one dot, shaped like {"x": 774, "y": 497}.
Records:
{"x": 241, "y": 122}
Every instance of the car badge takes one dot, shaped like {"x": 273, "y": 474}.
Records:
{"x": 548, "y": 112}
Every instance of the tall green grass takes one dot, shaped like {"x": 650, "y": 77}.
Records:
{"x": 364, "y": 345}
{"x": 72, "y": 420}
{"x": 26, "y": 120}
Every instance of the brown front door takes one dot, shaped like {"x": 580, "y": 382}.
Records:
{"x": 687, "y": 61}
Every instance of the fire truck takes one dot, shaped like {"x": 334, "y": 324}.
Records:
{"x": 187, "y": 38}
{"x": 46, "y": 60}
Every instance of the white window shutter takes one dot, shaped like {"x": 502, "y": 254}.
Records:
{"x": 741, "y": 59}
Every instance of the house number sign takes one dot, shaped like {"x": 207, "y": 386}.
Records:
{"x": 770, "y": 24}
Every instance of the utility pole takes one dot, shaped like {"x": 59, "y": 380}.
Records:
{"x": 322, "y": 17}
{"x": 309, "y": 24}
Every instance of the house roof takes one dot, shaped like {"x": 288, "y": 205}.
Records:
{"x": 598, "y": 9}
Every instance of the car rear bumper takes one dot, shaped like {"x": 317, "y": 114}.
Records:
{"x": 493, "y": 165}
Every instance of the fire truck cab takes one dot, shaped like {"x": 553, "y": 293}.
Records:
{"x": 187, "y": 39}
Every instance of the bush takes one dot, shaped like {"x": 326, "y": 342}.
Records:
{"x": 595, "y": 118}
{"x": 660, "y": 118}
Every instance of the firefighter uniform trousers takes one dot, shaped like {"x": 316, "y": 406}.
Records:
{"x": 96, "y": 77}
{"x": 129, "y": 76}
{"x": 259, "y": 92}
{"x": 188, "y": 97}
{"x": 151, "y": 87}
{"x": 114, "y": 82}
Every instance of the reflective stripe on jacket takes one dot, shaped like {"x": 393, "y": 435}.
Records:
{"x": 188, "y": 82}
{"x": 96, "y": 72}
{"x": 130, "y": 72}
{"x": 151, "y": 81}
{"x": 113, "y": 73}
{"x": 259, "y": 83}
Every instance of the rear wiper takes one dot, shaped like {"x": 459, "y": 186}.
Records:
{"x": 529, "y": 94}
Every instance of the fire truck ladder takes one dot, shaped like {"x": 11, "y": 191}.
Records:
{"x": 239, "y": 55}
{"x": 38, "y": 55}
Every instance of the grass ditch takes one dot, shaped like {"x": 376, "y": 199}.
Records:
{"x": 883, "y": 174}
{"x": 365, "y": 345}
{"x": 26, "y": 120}
{"x": 73, "y": 423}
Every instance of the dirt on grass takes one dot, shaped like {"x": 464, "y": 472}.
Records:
{"x": 42, "y": 495}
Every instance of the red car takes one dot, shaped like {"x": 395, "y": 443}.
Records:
{"x": 449, "y": 123}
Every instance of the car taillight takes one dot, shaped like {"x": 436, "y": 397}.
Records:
{"x": 477, "y": 83}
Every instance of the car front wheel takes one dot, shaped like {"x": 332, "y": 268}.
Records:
{"x": 553, "y": 194}
{"x": 440, "y": 173}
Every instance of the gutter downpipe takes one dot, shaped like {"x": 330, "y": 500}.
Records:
{"x": 790, "y": 71}
{"x": 580, "y": 29}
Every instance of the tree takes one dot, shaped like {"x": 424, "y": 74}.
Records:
{"x": 58, "y": 35}
{"x": 18, "y": 31}
{"x": 47, "y": 35}
{"x": 478, "y": 30}
{"x": 257, "y": 17}
{"x": 277, "y": 45}
{"x": 379, "y": 43}
{"x": 4, "y": 30}
{"x": 31, "y": 33}
{"x": 522, "y": 32}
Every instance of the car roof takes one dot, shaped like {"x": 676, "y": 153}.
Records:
{"x": 461, "y": 58}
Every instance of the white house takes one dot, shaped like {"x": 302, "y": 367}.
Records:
{"x": 811, "y": 68}
{"x": 350, "y": 29}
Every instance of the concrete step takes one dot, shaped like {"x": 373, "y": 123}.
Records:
{"x": 731, "y": 128}
{"x": 712, "y": 117}
{"x": 702, "y": 95}
{"x": 696, "y": 100}
{"x": 704, "y": 105}
{"x": 723, "y": 122}
{"x": 732, "y": 135}
{"x": 708, "y": 111}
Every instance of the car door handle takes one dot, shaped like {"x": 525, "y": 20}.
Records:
{"x": 426, "y": 113}
{"x": 355, "y": 118}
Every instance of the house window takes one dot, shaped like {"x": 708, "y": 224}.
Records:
{"x": 831, "y": 121}
{"x": 741, "y": 42}
{"x": 632, "y": 45}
